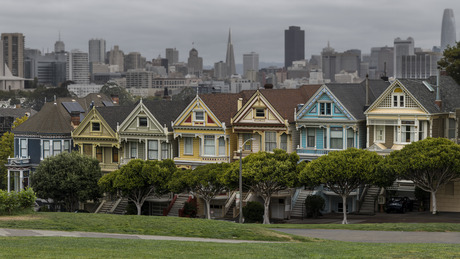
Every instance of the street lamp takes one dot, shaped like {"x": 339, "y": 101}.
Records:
{"x": 241, "y": 178}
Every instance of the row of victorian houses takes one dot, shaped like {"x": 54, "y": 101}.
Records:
{"x": 312, "y": 120}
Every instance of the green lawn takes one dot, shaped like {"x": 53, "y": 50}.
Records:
{"x": 67, "y": 247}
{"x": 428, "y": 227}
{"x": 144, "y": 225}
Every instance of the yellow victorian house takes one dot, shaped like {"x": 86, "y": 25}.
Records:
{"x": 202, "y": 130}
{"x": 97, "y": 135}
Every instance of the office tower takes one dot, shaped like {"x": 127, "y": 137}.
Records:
{"x": 96, "y": 50}
{"x": 448, "y": 32}
{"x": 329, "y": 62}
{"x": 294, "y": 45}
{"x": 250, "y": 63}
{"x": 133, "y": 61}
{"x": 59, "y": 46}
{"x": 421, "y": 65}
{"x": 350, "y": 61}
{"x": 230, "y": 57}
{"x": 220, "y": 70}
{"x": 117, "y": 58}
{"x": 401, "y": 48}
{"x": 13, "y": 52}
{"x": 172, "y": 55}
{"x": 195, "y": 63}
{"x": 77, "y": 67}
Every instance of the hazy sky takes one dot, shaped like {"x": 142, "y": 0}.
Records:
{"x": 150, "y": 26}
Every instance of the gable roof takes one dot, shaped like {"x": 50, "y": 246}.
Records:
{"x": 115, "y": 115}
{"x": 166, "y": 111}
{"x": 222, "y": 105}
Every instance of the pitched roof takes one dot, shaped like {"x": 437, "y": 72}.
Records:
{"x": 449, "y": 93}
{"x": 115, "y": 115}
{"x": 16, "y": 112}
{"x": 54, "y": 118}
{"x": 353, "y": 96}
{"x": 223, "y": 105}
{"x": 166, "y": 111}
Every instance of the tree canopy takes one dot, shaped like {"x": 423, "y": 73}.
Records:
{"x": 343, "y": 172}
{"x": 139, "y": 179}
{"x": 124, "y": 96}
{"x": 265, "y": 173}
{"x": 430, "y": 163}
{"x": 67, "y": 178}
{"x": 451, "y": 61}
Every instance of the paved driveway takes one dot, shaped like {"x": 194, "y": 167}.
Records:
{"x": 377, "y": 236}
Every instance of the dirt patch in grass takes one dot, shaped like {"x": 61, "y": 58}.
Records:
{"x": 21, "y": 217}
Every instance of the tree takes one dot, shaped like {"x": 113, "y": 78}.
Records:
{"x": 7, "y": 150}
{"x": 430, "y": 163}
{"x": 38, "y": 97}
{"x": 139, "y": 179}
{"x": 206, "y": 182}
{"x": 124, "y": 96}
{"x": 343, "y": 172}
{"x": 265, "y": 173}
{"x": 451, "y": 61}
{"x": 68, "y": 178}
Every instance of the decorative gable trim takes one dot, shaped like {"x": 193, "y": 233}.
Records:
{"x": 318, "y": 96}
{"x": 188, "y": 116}
{"x": 94, "y": 116}
{"x": 134, "y": 115}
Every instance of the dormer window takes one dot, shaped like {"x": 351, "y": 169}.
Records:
{"x": 199, "y": 116}
{"x": 142, "y": 121}
{"x": 260, "y": 113}
{"x": 325, "y": 109}
{"x": 398, "y": 98}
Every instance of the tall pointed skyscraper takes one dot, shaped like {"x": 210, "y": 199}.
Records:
{"x": 448, "y": 32}
{"x": 230, "y": 59}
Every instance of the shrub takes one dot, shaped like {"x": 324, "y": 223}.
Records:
{"x": 313, "y": 205}
{"x": 26, "y": 198}
{"x": 190, "y": 209}
{"x": 9, "y": 201}
{"x": 253, "y": 212}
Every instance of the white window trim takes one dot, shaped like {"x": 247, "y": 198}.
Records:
{"x": 131, "y": 149}
{"x": 139, "y": 121}
{"x": 398, "y": 101}
{"x": 204, "y": 148}
{"x": 320, "y": 104}
{"x": 376, "y": 134}
{"x": 21, "y": 148}
{"x": 185, "y": 146}
{"x": 194, "y": 116}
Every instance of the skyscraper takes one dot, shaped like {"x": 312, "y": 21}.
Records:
{"x": 195, "y": 63}
{"x": 250, "y": 63}
{"x": 448, "y": 32}
{"x": 172, "y": 55}
{"x": 230, "y": 58}
{"x": 401, "y": 48}
{"x": 13, "y": 52}
{"x": 77, "y": 68}
{"x": 117, "y": 57}
{"x": 96, "y": 50}
{"x": 294, "y": 45}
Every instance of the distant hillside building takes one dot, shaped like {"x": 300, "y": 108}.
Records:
{"x": 13, "y": 52}
{"x": 77, "y": 68}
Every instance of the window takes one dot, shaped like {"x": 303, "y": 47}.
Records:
{"x": 451, "y": 128}
{"x": 398, "y": 98}
{"x": 310, "y": 137}
{"x": 209, "y": 145}
{"x": 67, "y": 145}
{"x": 87, "y": 149}
{"x": 96, "y": 126}
{"x": 164, "y": 150}
{"x": 199, "y": 116}
{"x": 46, "y": 148}
{"x": 247, "y": 145}
{"x": 380, "y": 133}
{"x": 142, "y": 121}
{"x": 325, "y": 108}
{"x": 396, "y": 133}
{"x": 408, "y": 133}
{"x": 152, "y": 149}
{"x": 23, "y": 148}
{"x": 222, "y": 146}
{"x": 133, "y": 150}
{"x": 270, "y": 141}
{"x": 350, "y": 138}
{"x": 114, "y": 155}
{"x": 260, "y": 113}
{"x": 99, "y": 154}
{"x": 188, "y": 146}
{"x": 56, "y": 147}
{"x": 336, "y": 138}
{"x": 283, "y": 142}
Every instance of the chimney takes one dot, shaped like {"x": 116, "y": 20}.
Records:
{"x": 240, "y": 103}
{"x": 18, "y": 106}
{"x": 367, "y": 90}
{"x": 75, "y": 118}
{"x": 268, "y": 86}
{"x": 438, "y": 100}
{"x": 166, "y": 95}
{"x": 115, "y": 99}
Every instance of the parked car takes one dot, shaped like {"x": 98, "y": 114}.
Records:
{"x": 399, "y": 204}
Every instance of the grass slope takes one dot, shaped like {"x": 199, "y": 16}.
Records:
{"x": 67, "y": 247}
{"x": 427, "y": 227}
{"x": 144, "y": 225}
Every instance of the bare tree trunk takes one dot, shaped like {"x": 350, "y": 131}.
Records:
{"x": 266, "y": 210}
{"x": 433, "y": 198}
{"x": 208, "y": 208}
{"x": 139, "y": 207}
{"x": 344, "y": 200}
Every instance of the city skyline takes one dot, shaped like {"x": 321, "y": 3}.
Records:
{"x": 140, "y": 26}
